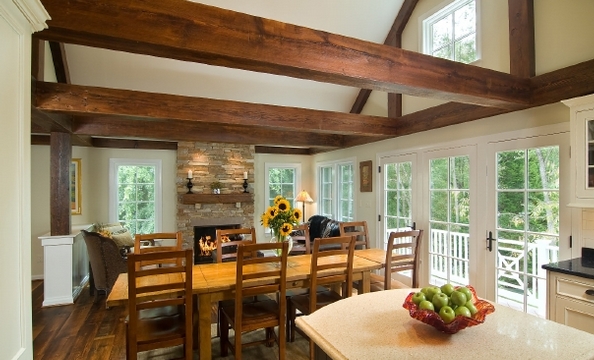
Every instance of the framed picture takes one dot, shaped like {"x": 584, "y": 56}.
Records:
{"x": 366, "y": 174}
{"x": 75, "y": 177}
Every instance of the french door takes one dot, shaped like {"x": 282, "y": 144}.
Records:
{"x": 525, "y": 207}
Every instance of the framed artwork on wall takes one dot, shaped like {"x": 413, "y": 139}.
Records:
{"x": 75, "y": 177}
{"x": 365, "y": 173}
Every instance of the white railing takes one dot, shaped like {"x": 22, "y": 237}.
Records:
{"x": 513, "y": 283}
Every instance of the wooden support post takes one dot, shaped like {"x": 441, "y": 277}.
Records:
{"x": 60, "y": 158}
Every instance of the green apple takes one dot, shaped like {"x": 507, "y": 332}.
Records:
{"x": 470, "y": 306}
{"x": 418, "y": 297}
{"x": 447, "y": 289}
{"x": 458, "y": 298}
{"x": 426, "y": 305}
{"x": 447, "y": 314}
{"x": 440, "y": 300}
{"x": 466, "y": 291}
{"x": 431, "y": 291}
{"x": 463, "y": 310}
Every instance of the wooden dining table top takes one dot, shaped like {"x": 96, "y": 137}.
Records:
{"x": 219, "y": 277}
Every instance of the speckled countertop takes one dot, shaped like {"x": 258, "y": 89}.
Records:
{"x": 376, "y": 326}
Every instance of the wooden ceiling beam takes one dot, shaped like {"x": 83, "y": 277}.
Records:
{"x": 521, "y": 38}
{"x": 174, "y": 130}
{"x": 86, "y": 100}
{"x": 196, "y": 32}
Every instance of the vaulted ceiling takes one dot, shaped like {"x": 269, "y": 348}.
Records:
{"x": 147, "y": 74}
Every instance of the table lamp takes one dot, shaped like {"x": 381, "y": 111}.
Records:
{"x": 303, "y": 197}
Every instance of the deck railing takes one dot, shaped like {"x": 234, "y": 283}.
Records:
{"x": 523, "y": 289}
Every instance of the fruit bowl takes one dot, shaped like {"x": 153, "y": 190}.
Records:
{"x": 460, "y": 322}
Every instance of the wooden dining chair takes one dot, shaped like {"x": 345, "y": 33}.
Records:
{"x": 229, "y": 239}
{"x": 357, "y": 229}
{"x": 159, "y": 321}
{"x": 257, "y": 277}
{"x": 328, "y": 267}
{"x": 402, "y": 254}
{"x": 301, "y": 242}
{"x": 157, "y": 242}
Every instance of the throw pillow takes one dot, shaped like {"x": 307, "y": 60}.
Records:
{"x": 122, "y": 238}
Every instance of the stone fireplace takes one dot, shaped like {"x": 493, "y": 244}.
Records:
{"x": 211, "y": 162}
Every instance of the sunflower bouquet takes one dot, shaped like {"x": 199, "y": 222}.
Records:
{"x": 281, "y": 218}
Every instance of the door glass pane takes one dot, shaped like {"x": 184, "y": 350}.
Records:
{"x": 527, "y": 226}
{"x": 590, "y": 153}
{"x": 397, "y": 197}
{"x": 449, "y": 220}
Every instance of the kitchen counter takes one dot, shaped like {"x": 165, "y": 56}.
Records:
{"x": 578, "y": 267}
{"x": 376, "y": 326}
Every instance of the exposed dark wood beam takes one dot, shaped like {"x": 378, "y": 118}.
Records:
{"x": 521, "y": 38}
{"x": 86, "y": 100}
{"x": 394, "y": 38}
{"x": 566, "y": 83}
{"x": 200, "y": 33}
{"x": 174, "y": 130}
{"x": 60, "y": 63}
{"x": 134, "y": 144}
{"x": 37, "y": 56}
{"x": 281, "y": 150}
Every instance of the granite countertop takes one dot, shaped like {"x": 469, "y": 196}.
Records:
{"x": 578, "y": 267}
{"x": 582, "y": 266}
{"x": 376, "y": 326}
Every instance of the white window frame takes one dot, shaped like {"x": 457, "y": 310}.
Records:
{"x": 297, "y": 183}
{"x": 336, "y": 187}
{"x": 444, "y": 9}
{"x": 114, "y": 163}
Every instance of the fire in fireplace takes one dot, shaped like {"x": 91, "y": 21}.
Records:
{"x": 205, "y": 241}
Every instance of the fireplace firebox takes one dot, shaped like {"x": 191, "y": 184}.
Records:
{"x": 205, "y": 242}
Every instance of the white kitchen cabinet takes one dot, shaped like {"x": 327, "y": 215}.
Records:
{"x": 582, "y": 150}
{"x": 568, "y": 302}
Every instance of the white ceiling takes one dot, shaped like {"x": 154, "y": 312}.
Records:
{"x": 362, "y": 19}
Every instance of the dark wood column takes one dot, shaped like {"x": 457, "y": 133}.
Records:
{"x": 60, "y": 158}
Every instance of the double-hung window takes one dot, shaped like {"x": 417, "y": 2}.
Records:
{"x": 282, "y": 179}
{"x": 336, "y": 190}
{"x": 451, "y": 33}
{"x": 135, "y": 194}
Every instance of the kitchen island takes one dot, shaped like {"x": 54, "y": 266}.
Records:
{"x": 376, "y": 326}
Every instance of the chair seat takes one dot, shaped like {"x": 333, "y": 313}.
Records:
{"x": 323, "y": 298}
{"x": 377, "y": 283}
{"x": 166, "y": 321}
{"x": 256, "y": 311}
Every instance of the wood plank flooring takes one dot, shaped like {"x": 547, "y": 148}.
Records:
{"x": 85, "y": 330}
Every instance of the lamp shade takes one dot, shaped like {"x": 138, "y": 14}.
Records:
{"x": 304, "y": 197}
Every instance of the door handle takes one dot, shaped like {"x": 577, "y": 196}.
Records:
{"x": 490, "y": 240}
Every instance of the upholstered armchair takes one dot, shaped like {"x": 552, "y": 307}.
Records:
{"x": 107, "y": 261}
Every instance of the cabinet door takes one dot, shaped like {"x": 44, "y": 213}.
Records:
{"x": 576, "y": 314}
{"x": 584, "y": 153}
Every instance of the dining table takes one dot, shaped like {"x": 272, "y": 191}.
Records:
{"x": 381, "y": 328}
{"x": 216, "y": 281}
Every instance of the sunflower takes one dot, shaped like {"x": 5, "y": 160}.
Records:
{"x": 281, "y": 218}
{"x": 286, "y": 229}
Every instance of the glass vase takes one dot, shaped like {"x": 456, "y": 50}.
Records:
{"x": 277, "y": 237}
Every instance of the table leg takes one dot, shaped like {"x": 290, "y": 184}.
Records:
{"x": 366, "y": 282}
{"x": 204, "y": 308}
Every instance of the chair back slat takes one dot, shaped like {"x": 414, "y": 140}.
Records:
{"x": 402, "y": 254}
{"x": 357, "y": 229}
{"x": 229, "y": 239}
{"x": 326, "y": 270}
{"x": 298, "y": 247}
{"x": 156, "y": 241}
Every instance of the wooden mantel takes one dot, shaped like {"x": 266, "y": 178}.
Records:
{"x": 216, "y": 198}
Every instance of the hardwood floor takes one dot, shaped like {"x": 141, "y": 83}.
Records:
{"x": 85, "y": 330}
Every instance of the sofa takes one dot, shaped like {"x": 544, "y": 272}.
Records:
{"x": 322, "y": 227}
{"x": 107, "y": 247}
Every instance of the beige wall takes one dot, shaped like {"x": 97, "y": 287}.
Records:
{"x": 95, "y": 190}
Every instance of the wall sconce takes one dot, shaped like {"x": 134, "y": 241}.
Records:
{"x": 304, "y": 197}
